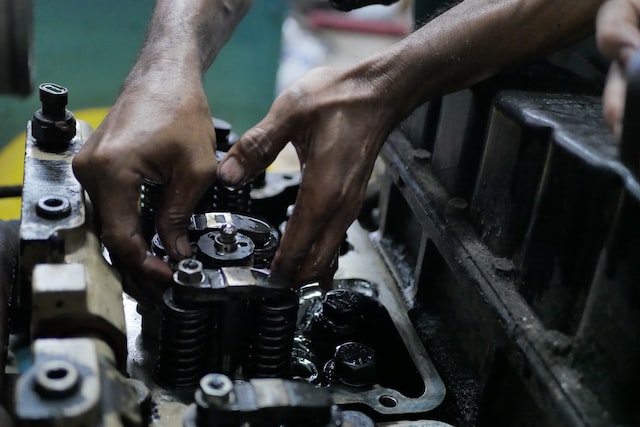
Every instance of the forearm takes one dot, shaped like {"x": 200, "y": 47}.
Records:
{"x": 184, "y": 36}
{"x": 472, "y": 41}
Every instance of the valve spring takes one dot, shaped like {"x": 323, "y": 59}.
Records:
{"x": 227, "y": 199}
{"x": 183, "y": 338}
{"x": 275, "y": 320}
{"x": 150, "y": 195}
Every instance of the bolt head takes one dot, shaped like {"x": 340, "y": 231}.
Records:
{"x": 189, "y": 272}
{"x": 216, "y": 389}
{"x": 355, "y": 364}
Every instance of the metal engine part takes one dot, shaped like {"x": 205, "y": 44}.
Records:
{"x": 73, "y": 383}
{"x": 224, "y": 313}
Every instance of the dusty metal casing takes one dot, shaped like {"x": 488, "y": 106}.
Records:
{"x": 66, "y": 287}
{"x": 73, "y": 383}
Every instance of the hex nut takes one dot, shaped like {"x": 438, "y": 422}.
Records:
{"x": 190, "y": 272}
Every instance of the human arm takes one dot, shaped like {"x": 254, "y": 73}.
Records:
{"x": 618, "y": 37}
{"x": 160, "y": 128}
{"x": 338, "y": 119}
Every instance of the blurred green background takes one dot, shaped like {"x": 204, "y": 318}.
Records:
{"x": 89, "y": 47}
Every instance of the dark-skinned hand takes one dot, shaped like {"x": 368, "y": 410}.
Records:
{"x": 337, "y": 122}
{"x": 159, "y": 129}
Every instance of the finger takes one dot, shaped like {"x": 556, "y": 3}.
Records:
{"x": 253, "y": 152}
{"x": 613, "y": 99}
{"x": 321, "y": 215}
{"x": 180, "y": 197}
{"x": 617, "y": 29}
{"x": 121, "y": 232}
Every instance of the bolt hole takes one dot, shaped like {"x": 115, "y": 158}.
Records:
{"x": 53, "y": 203}
{"x": 59, "y": 303}
{"x": 215, "y": 384}
{"x": 57, "y": 374}
{"x": 388, "y": 401}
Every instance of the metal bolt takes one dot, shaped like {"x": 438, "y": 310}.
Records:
{"x": 341, "y": 306}
{"x": 228, "y": 233}
{"x": 53, "y": 126}
{"x": 216, "y": 389}
{"x": 56, "y": 379}
{"x": 189, "y": 272}
{"x": 355, "y": 364}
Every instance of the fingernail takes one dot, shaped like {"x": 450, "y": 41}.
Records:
{"x": 231, "y": 172}
{"x": 183, "y": 246}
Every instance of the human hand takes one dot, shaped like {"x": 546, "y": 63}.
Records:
{"x": 337, "y": 121}
{"x": 618, "y": 37}
{"x": 160, "y": 128}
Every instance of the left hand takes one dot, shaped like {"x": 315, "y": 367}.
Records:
{"x": 160, "y": 128}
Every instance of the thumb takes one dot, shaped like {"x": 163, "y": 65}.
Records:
{"x": 253, "y": 152}
{"x": 172, "y": 220}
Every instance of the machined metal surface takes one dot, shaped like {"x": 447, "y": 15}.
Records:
{"x": 516, "y": 272}
{"x": 73, "y": 383}
{"x": 66, "y": 287}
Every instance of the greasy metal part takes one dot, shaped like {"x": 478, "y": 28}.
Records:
{"x": 53, "y": 126}
{"x": 16, "y": 35}
{"x": 401, "y": 356}
{"x": 66, "y": 288}
{"x": 225, "y": 247}
{"x": 258, "y": 241}
{"x": 522, "y": 260}
{"x": 73, "y": 383}
{"x": 260, "y": 402}
{"x": 183, "y": 343}
{"x": 274, "y": 326}
{"x": 229, "y": 282}
{"x": 234, "y": 283}
{"x": 353, "y": 364}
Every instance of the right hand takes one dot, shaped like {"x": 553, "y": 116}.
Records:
{"x": 160, "y": 128}
{"x": 618, "y": 37}
{"x": 337, "y": 122}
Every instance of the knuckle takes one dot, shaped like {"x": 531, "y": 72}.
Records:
{"x": 256, "y": 147}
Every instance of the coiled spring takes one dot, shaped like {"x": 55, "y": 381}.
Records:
{"x": 183, "y": 340}
{"x": 275, "y": 325}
